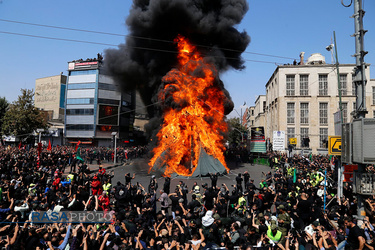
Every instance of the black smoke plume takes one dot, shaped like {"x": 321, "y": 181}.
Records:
{"x": 150, "y": 53}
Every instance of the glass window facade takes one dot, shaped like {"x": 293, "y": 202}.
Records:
{"x": 82, "y": 86}
{"x": 107, "y": 86}
{"x": 80, "y": 101}
{"x": 80, "y": 112}
{"x": 108, "y": 101}
{"x": 81, "y": 127}
{"x": 82, "y": 72}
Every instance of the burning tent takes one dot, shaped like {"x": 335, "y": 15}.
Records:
{"x": 173, "y": 57}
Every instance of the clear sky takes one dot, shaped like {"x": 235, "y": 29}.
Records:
{"x": 281, "y": 29}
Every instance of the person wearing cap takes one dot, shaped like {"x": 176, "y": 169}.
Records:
{"x": 273, "y": 234}
{"x": 283, "y": 220}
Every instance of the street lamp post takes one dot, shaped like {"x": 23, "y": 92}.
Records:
{"x": 114, "y": 134}
{"x": 330, "y": 48}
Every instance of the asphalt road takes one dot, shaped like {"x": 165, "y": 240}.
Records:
{"x": 140, "y": 168}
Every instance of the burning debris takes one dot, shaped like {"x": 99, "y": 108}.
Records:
{"x": 173, "y": 57}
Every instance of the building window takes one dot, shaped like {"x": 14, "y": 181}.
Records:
{"x": 373, "y": 95}
{"x": 290, "y": 133}
{"x": 323, "y": 137}
{"x": 81, "y": 127}
{"x": 264, "y": 106}
{"x": 290, "y": 112}
{"x": 373, "y": 113}
{"x": 80, "y": 101}
{"x": 323, "y": 85}
{"x": 80, "y": 112}
{"x": 353, "y": 86}
{"x": 82, "y": 72}
{"x": 344, "y": 107}
{"x": 323, "y": 113}
{"x": 304, "y": 108}
{"x": 106, "y": 86}
{"x": 290, "y": 86}
{"x": 305, "y": 140}
{"x": 108, "y": 101}
{"x": 81, "y": 86}
{"x": 344, "y": 86}
{"x": 304, "y": 85}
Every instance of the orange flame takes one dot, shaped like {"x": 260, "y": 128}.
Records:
{"x": 197, "y": 118}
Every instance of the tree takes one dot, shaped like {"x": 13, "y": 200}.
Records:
{"x": 237, "y": 132}
{"x": 4, "y": 104}
{"x": 22, "y": 117}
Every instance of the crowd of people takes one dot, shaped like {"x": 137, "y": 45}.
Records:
{"x": 292, "y": 207}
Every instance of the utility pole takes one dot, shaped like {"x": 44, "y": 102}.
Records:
{"x": 360, "y": 81}
{"x": 340, "y": 172}
{"x": 114, "y": 134}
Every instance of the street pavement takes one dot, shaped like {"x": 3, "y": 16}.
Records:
{"x": 140, "y": 168}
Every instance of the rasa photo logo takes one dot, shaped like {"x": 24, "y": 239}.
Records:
{"x": 73, "y": 217}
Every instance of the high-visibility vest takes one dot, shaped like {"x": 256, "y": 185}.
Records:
{"x": 107, "y": 187}
{"x": 275, "y": 238}
{"x": 70, "y": 177}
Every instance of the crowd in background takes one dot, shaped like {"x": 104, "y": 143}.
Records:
{"x": 292, "y": 207}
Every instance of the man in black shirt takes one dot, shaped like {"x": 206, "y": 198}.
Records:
{"x": 213, "y": 178}
{"x": 239, "y": 183}
{"x": 356, "y": 239}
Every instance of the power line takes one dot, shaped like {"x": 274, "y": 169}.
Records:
{"x": 135, "y": 47}
{"x": 137, "y": 37}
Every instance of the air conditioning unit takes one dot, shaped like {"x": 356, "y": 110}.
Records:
{"x": 363, "y": 140}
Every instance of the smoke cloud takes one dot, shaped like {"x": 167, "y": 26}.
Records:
{"x": 149, "y": 52}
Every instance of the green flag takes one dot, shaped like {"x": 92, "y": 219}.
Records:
{"x": 78, "y": 154}
{"x": 294, "y": 175}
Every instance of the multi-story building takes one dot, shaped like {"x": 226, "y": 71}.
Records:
{"x": 50, "y": 96}
{"x": 95, "y": 108}
{"x": 301, "y": 100}
{"x": 259, "y": 111}
{"x": 249, "y": 117}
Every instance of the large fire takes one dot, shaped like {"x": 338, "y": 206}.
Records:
{"x": 194, "y": 117}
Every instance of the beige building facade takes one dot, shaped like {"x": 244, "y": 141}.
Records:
{"x": 50, "y": 96}
{"x": 302, "y": 99}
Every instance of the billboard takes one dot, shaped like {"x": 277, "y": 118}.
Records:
{"x": 278, "y": 141}
{"x": 108, "y": 115}
{"x": 257, "y": 142}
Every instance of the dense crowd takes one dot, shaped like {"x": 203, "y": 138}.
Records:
{"x": 293, "y": 207}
